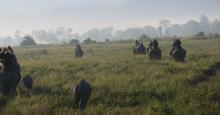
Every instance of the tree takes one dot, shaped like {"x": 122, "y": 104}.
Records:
{"x": 74, "y": 41}
{"x": 164, "y": 24}
{"x": 28, "y": 41}
{"x": 144, "y": 37}
{"x": 204, "y": 22}
{"x": 88, "y": 40}
{"x": 216, "y": 36}
{"x": 210, "y": 36}
{"x": 200, "y": 35}
{"x": 107, "y": 40}
{"x": 213, "y": 36}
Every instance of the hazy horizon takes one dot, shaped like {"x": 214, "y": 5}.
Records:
{"x": 83, "y": 15}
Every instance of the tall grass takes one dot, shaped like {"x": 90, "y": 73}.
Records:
{"x": 122, "y": 83}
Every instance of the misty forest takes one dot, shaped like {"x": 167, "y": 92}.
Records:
{"x": 63, "y": 35}
{"x": 169, "y": 69}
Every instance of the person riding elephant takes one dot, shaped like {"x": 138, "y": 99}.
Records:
{"x": 177, "y": 52}
{"x": 139, "y": 48}
{"x": 153, "y": 50}
{"x": 10, "y": 76}
{"x": 14, "y": 61}
{"x": 78, "y": 51}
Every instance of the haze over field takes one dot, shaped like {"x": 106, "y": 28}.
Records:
{"x": 57, "y": 21}
{"x": 109, "y": 57}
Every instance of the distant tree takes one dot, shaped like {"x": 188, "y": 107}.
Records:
{"x": 191, "y": 27}
{"x": 144, "y": 37}
{"x": 28, "y": 41}
{"x": 74, "y": 41}
{"x": 160, "y": 31}
{"x": 88, "y": 40}
{"x": 213, "y": 36}
{"x": 204, "y": 22}
{"x": 210, "y": 36}
{"x": 215, "y": 26}
{"x": 216, "y": 36}
{"x": 107, "y": 40}
{"x": 64, "y": 43}
{"x": 200, "y": 35}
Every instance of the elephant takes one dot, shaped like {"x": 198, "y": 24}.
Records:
{"x": 78, "y": 51}
{"x": 177, "y": 52}
{"x": 10, "y": 72}
{"x": 139, "y": 48}
{"x": 153, "y": 50}
{"x": 26, "y": 84}
{"x": 81, "y": 93}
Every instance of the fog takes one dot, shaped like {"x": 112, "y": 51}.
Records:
{"x": 64, "y": 35}
{"x": 59, "y": 21}
{"x": 56, "y": 36}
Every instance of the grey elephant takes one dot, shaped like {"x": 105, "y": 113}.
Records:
{"x": 78, "y": 51}
{"x": 153, "y": 50}
{"x": 138, "y": 48}
{"x": 177, "y": 52}
{"x": 10, "y": 72}
{"x": 81, "y": 93}
{"x": 26, "y": 84}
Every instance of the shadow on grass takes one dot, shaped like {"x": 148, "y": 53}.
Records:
{"x": 55, "y": 98}
{"x": 130, "y": 98}
{"x": 39, "y": 90}
{"x": 205, "y": 74}
{"x": 4, "y": 100}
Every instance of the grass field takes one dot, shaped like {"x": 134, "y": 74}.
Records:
{"x": 123, "y": 84}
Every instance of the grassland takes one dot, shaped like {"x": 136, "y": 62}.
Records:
{"x": 123, "y": 84}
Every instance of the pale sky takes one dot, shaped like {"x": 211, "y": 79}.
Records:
{"x": 81, "y": 15}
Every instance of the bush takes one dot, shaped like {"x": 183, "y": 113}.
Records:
{"x": 88, "y": 40}
{"x": 200, "y": 35}
{"x": 74, "y": 41}
{"x": 28, "y": 41}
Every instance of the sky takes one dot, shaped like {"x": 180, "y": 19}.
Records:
{"x": 82, "y": 15}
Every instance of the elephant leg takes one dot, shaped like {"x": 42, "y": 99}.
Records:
{"x": 12, "y": 91}
{"x": 13, "y": 85}
{"x": 5, "y": 90}
{"x": 12, "y": 88}
{"x": 76, "y": 101}
{"x": 82, "y": 103}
